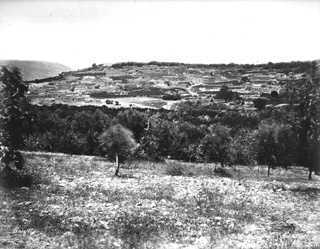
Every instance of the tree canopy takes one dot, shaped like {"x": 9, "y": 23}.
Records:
{"x": 118, "y": 142}
{"x": 12, "y": 113}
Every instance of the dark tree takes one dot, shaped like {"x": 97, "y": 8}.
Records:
{"x": 274, "y": 94}
{"x": 275, "y": 145}
{"x": 134, "y": 120}
{"x": 214, "y": 146}
{"x": 308, "y": 153}
{"x": 260, "y": 103}
{"x": 227, "y": 95}
{"x": 12, "y": 114}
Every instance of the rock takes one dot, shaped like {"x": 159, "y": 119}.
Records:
{"x": 217, "y": 218}
{"x": 153, "y": 204}
{"x": 27, "y": 203}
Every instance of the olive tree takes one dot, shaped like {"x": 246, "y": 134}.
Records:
{"x": 12, "y": 114}
{"x": 275, "y": 145}
{"x": 214, "y": 146}
{"x": 117, "y": 143}
{"x": 308, "y": 154}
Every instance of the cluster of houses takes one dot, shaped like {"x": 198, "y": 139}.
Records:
{"x": 78, "y": 86}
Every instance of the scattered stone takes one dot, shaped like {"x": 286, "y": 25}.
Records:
{"x": 27, "y": 203}
{"x": 153, "y": 204}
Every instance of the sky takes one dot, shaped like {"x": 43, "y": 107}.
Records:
{"x": 78, "y": 33}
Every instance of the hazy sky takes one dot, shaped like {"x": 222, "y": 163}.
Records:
{"x": 79, "y": 33}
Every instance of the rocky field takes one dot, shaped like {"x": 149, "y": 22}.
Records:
{"x": 76, "y": 202}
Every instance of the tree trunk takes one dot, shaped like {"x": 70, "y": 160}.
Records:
{"x": 269, "y": 167}
{"x": 310, "y": 173}
{"x": 117, "y": 165}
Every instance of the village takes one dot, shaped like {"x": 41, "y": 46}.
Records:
{"x": 145, "y": 86}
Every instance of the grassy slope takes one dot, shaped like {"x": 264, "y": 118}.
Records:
{"x": 31, "y": 70}
{"x": 79, "y": 204}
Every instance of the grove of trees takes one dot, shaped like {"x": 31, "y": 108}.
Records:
{"x": 198, "y": 130}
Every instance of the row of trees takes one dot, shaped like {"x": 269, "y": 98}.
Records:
{"x": 294, "y": 66}
{"x": 193, "y": 132}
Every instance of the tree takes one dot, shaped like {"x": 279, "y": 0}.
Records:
{"x": 241, "y": 149}
{"x": 260, "y": 103}
{"x": 158, "y": 138}
{"x": 118, "y": 142}
{"x": 308, "y": 153}
{"x": 274, "y": 94}
{"x": 214, "y": 146}
{"x": 12, "y": 114}
{"x": 227, "y": 95}
{"x": 186, "y": 138}
{"x": 276, "y": 145}
{"x": 132, "y": 119}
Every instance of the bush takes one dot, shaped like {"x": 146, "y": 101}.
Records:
{"x": 174, "y": 169}
{"x": 10, "y": 178}
{"x": 171, "y": 97}
{"x": 260, "y": 103}
{"x": 223, "y": 172}
{"x": 177, "y": 169}
{"x": 241, "y": 149}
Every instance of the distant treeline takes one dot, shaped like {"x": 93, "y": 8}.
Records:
{"x": 76, "y": 130}
{"x": 294, "y": 66}
{"x": 49, "y": 79}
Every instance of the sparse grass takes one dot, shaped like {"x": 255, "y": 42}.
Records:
{"x": 75, "y": 202}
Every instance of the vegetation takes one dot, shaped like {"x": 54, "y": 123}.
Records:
{"x": 12, "y": 115}
{"x": 185, "y": 132}
{"x": 171, "y": 97}
{"x": 260, "y": 103}
{"x": 276, "y": 146}
{"x": 198, "y": 175}
{"x": 294, "y": 66}
{"x": 227, "y": 95}
{"x": 75, "y": 202}
{"x": 118, "y": 142}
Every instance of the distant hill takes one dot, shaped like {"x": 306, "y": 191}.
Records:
{"x": 31, "y": 70}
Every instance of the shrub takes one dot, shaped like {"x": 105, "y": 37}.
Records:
{"x": 241, "y": 149}
{"x": 223, "y": 172}
{"x": 260, "y": 103}
{"x": 10, "y": 178}
{"x": 174, "y": 169}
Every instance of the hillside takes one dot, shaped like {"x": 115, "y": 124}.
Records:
{"x": 160, "y": 85}
{"x": 76, "y": 202}
{"x": 31, "y": 70}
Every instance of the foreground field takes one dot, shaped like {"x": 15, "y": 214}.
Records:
{"x": 76, "y": 202}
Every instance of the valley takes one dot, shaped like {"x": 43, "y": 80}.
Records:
{"x": 154, "y": 85}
